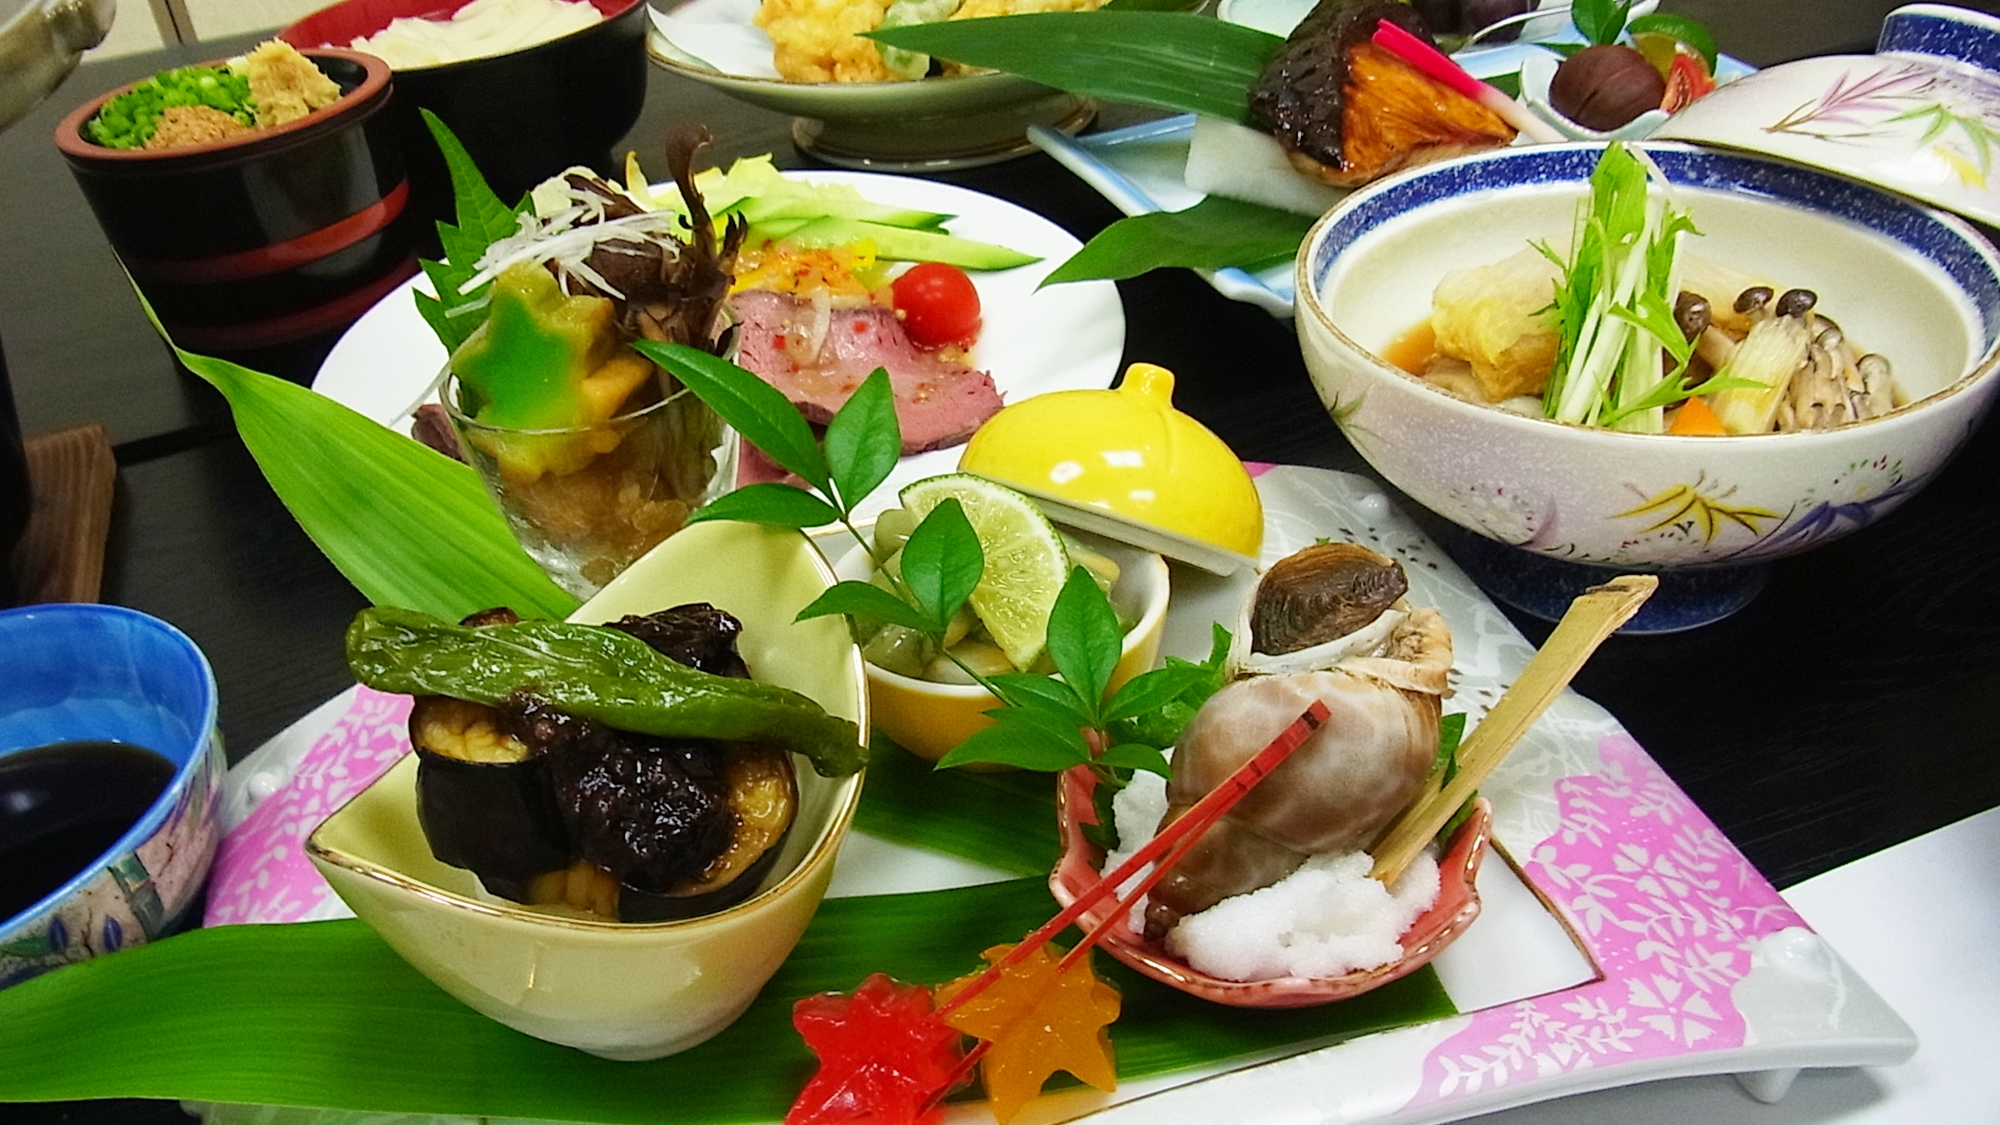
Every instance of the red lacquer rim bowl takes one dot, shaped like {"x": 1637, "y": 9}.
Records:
{"x": 1456, "y": 907}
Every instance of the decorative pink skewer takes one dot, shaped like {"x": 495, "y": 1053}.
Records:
{"x": 1437, "y": 66}
{"x": 1191, "y": 824}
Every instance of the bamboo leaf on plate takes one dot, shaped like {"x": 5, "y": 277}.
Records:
{"x": 325, "y": 1014}
{"x": 1175, "y": 61}
{"x": 1003, "y": 819}
{"x": 407, "y": 525}
{"x": 1214, "y": 233}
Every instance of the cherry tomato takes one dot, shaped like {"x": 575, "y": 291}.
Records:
{"x": 938, "y": 304}
{"x": 1687, "y": 79}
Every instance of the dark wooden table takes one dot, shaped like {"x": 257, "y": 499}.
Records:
{"x": 1842, "y": 712}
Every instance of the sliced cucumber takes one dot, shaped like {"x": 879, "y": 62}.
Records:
{"x": 764, "y": 208}
{"x": 901, "y": 245}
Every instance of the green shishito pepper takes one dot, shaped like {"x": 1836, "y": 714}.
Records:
{"x": 596, "y": 673}
{"x": 524, "y": 369}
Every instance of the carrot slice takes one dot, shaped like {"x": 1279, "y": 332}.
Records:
{"x": 1694, "y": 417}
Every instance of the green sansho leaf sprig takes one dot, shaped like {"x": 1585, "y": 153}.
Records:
{"x": 1044, "y": 723}
{"x": 942, "y": 561}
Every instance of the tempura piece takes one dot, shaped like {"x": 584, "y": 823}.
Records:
{"x": 819, "y": 40}
{"x": 286, "y": 84}
{"x": 1499, "y": 318}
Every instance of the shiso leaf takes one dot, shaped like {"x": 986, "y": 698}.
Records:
{"x": 1175, "y": 61}
{"x": 325, "y": 1014}
{"x": 596, "y": 673}
{"x": 482, "y": 220}
{"x": 1214, "y": 233}
{"x": 407, "y": 525}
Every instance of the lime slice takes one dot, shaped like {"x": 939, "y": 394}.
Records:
{"x": 1025, "y": 559}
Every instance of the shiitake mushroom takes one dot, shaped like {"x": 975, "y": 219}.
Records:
{"x": 547, "y": 808}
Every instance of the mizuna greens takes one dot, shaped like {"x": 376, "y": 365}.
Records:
{"x": 1615, "y": 303}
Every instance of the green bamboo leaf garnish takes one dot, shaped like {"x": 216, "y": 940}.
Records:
{"x": 407, "y": 525}
{"x": 1174, "y": 61}
{"x": 1214, "y": 233}
{"x": 595, "y": 673}
{"x": 482, "y": 220}
{"x": 325, "y": 1014}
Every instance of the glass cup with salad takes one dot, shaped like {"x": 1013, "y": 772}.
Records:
{"x": 591, "y": 451}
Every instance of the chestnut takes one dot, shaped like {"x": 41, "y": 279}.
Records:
{"x": 1605, "y": 87}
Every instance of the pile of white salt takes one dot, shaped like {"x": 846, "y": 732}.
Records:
{"x": 1326, "y": 919}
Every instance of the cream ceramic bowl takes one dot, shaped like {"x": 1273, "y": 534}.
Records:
{"x": 625, "y": 990}
{"x": 930, "y": 719}
{"x": 926, "y": 125}
{"x": 1916, "y": 285}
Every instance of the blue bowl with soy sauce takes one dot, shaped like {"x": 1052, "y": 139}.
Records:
{"x": 110, "y": 771}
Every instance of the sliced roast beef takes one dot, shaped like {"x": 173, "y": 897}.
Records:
{"x": 818, "y": 356}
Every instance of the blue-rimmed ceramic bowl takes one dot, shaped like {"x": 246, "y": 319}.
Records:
{"x": 1914, "y": 284}
{"x": 95, "y": 673}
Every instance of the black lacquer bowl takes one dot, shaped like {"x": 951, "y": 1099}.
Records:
{"x": 271, "y": 239}
{"x": 523, "y": 116}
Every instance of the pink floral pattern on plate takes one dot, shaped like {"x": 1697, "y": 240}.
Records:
{"x": 1669, "y": 910}
{"x": 261, "y": 872}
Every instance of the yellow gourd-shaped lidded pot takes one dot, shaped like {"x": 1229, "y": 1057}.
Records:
{"x": 1126, "y": 464}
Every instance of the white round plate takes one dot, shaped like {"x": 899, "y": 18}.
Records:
{"x": 1066, "y": 337}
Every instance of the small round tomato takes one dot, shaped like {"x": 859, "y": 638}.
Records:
{"x": 1687, "y": 80}
{"x": 939, "y": 305}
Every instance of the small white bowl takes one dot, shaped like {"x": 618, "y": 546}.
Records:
{"x": 625, "y": 990}
{"x": 1916, "y": 285}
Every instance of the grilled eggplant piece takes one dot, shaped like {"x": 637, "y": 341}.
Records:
{"x": 484, "y": 796}
{"x": 697, "y": 635}
{"x": 1348, "y": 112}
{"x": 551, "y": 809}
{"x": 763, "y": 795}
